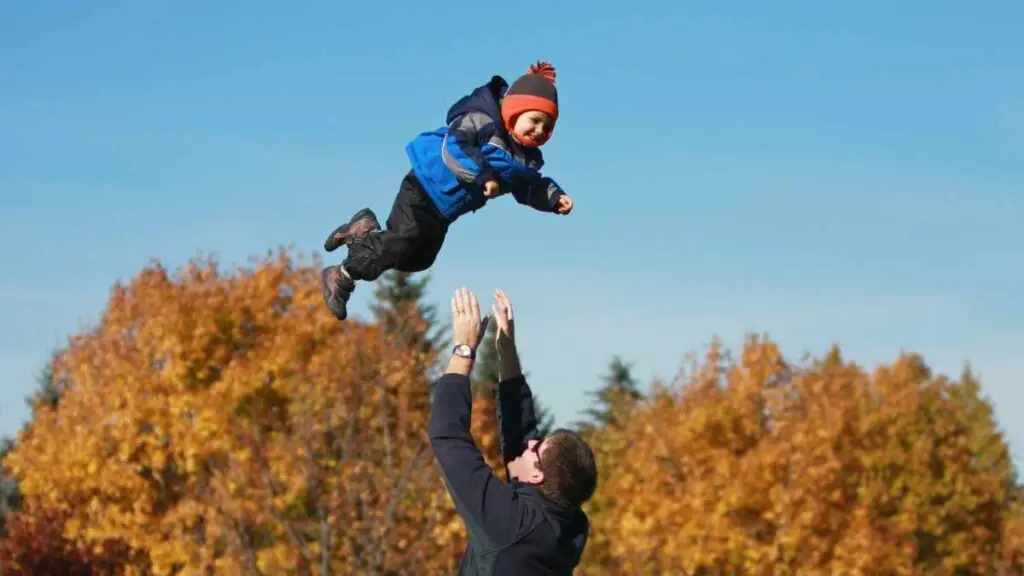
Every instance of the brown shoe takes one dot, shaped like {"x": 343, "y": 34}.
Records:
{"x": 338, "y": 286}
{"x": 363, "y": 223}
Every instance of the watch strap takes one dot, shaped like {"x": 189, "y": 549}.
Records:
{"x": 464, "y": 351}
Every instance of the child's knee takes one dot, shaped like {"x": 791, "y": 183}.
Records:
{"x": 419, "y": 261}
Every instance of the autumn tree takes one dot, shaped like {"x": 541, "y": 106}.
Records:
{"x": 31, "y": 538}
{"x": 224, "y": 421}
{"x": 760, "y": 466}
{"x": 1012, "y": 561}
{"x": 34, "y": 544}
{"x": 46, "y": 395}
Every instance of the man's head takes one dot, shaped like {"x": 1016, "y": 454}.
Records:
{"x": 530, "y": 106}
{"x": 561, "y": 466}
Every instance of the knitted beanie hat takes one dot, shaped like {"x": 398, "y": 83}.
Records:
{"x": 534, "y": 90}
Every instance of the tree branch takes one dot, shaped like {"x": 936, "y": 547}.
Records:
{"x": 289, "y": 529}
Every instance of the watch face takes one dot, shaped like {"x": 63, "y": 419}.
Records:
{"x": 463, "y": 350}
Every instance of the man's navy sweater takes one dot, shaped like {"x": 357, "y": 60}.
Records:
{"x": 512, "y": 528}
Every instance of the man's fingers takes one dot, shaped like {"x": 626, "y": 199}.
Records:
{"x": 465, "y": 302}
{"x": 505, "y": 304}
{"x": 459, "y": 302}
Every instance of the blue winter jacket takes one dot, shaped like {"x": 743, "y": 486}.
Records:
{"x": 513, "y": 529}
{"x": 453, "y": 162}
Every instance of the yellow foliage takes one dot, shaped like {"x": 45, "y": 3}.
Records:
{"x": 759, "y": 467}
{"x": 227, "y": 421}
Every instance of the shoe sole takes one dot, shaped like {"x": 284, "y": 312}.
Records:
{"x": 338, "y": 238}
{"x": 341, "y": 311}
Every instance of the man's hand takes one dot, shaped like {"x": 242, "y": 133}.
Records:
{"x": 490, "y": 189}
{"x": 501, "y": 310}
{"x": 563, "y": 205}
{"x": 467, "y": 326}
{"x": 505, "y": 337}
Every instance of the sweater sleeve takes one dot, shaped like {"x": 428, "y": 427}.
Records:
{"x": 540, "y": 194}
{"x": 462, "y": 150}
{"x": 517, "y": 420}
{"x": 488, "y": 506}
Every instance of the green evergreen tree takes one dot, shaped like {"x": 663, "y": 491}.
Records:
{"x": 48, "y": 391}
{"x": 991, "y": 452}
{"x": 619, "y": 388}
{"x": 400, "y": 306}
{"x": 545, "y": 419}
{"x": 10, "y": 498}
{"x": 49, "y": 386}
{"x": 486, "y": 373}
{"x": 487, "y": 367}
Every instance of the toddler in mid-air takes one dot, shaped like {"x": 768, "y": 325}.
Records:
{"x": 489, "y": 147}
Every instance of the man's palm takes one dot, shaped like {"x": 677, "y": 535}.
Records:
{"x": 502, "y": 312}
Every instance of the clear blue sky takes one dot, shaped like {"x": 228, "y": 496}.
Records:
{"x": 824, "y": 172}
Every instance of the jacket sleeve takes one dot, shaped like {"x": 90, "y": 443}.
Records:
{"x": 540, "y": 194}
{"x": 517, "y": 420}
{"x": 488, "y": 506}
{"x": 461, "y": 150}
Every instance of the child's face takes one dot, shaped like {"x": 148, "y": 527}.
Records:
{"x": 533, "y": 127}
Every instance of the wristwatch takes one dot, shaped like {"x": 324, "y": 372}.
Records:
{"x": 464, "y": 351}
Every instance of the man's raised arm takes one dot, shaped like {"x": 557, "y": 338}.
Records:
{"x": 485, "y": 503}
{"x": 517, "y": 420}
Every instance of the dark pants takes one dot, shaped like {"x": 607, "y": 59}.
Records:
{"x": 414, "y": 233}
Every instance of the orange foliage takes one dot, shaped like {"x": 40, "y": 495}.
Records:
{"x": 1013, "y": 541}
{"x": 227, "y": 422}
{"x": 757, "y": 467}
{"x": 484, "y": 428}
{"x": 33, "y": 543}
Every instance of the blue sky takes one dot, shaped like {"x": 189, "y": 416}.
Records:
{"x": 849, "y": 172}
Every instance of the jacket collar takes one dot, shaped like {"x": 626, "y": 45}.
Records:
{"x": 549, "y": 506}
{"x": 486, "y": 99}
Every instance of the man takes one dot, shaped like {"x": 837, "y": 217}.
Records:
{"x": 533, "y": 524}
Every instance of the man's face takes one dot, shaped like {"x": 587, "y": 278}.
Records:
{"x": 526, "y": 468}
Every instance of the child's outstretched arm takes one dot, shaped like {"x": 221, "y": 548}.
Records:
{"x": 542, "y": 194}
{"x": 463, "y": 152}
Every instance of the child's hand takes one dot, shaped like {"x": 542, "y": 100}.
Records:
{"x": 563, "y": 205}
{"x": 490, "y": 189}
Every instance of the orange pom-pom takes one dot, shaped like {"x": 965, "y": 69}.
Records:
{"x": 543, "y": 68}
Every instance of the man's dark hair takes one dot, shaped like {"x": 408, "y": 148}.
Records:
{"x": 570, "y": 473}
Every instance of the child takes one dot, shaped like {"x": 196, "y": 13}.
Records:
{"x": 489, "y": 147}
